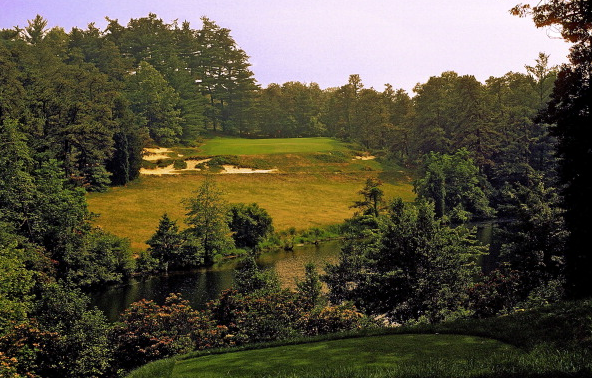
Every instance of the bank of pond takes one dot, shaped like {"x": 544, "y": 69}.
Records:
{"x": 199, "y": 286}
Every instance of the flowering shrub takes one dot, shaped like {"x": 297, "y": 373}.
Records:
{"x": 149, "y": 332}
{"x": 8, "y": 367}
{"x": 496, "y": 293}
{"x": 322, "y": 320}
{"x": 257, "y": 317}
{"x": 28, "y": 352}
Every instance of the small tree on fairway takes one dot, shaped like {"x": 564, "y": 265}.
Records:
{"x": 372, "y": 197}
{"x": 207, "y": 218}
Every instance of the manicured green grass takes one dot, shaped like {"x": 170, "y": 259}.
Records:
{"x": 554, "y": 341}
{"x": 362, "y": 354}
{"x": 240, "y": 146}
{"x": 311, "y": 189}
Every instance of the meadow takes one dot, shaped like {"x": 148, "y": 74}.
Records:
{"x": 316, "y": 182}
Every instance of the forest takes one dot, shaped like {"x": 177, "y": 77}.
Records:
{"x": 78, "y": 109}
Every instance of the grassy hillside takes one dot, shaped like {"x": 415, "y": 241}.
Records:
{"x": 240, "y": 146}
{"x": 361, "y": 355}
{"x": 549, "y": 341}
{"x": 311, "y": 188}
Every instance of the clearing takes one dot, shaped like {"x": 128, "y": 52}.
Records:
{"x": 301, "y": 182}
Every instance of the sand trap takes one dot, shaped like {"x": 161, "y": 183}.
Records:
{"x": 152, "y": 154}
{"x": 234, "y": 169}
{"x": 192, "y": 163}
{"x": 192, "y": 166}
{"x": 366, "y": 157}
{"x": 168, "y": 170}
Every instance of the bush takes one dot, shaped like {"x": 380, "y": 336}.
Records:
{"x": 256, "y": 318}
{"x": 150, "y": 332}
{"x": 331, "y": 319}
{"x": 180, "y": 164}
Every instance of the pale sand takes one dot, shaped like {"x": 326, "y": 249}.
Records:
{"x": 152, "y": 154}
{"x": 168, "y": 170}
{"x": 232, "y": 169}
{"x": 366, "y": 157}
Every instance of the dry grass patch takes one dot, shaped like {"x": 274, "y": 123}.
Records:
{"x": 293, "y": 200}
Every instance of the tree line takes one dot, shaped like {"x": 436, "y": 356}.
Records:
{"x": 93, "y": 99}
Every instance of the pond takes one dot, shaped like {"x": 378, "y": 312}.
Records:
{"x": 203, "y": 285}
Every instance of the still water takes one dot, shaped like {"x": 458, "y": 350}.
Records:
{"x": 203, "y": 285}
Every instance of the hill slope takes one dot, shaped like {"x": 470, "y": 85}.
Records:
{"x": 310, "y": 188}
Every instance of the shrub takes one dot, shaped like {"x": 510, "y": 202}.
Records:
{"x": 256, "y": 318}
{"x": 150, "y": 332}
{"x": 330, "y": 319}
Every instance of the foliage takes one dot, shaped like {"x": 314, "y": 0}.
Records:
{"x": 533, "y": 244}
{"x": 65, "y": 339}
{"x": 569, "y": 110}
{"x": 101, "y": 258}
{"x": 250, "y": 279}
{"x": 82, "y": 348}
{"x": 411, "y": 268}
{"x": 156, "y": 102}
{"x": 258, "y": 316}
{"x": 166, "y": 245}
{"x": 331, "y": 319}
{"x": 16, "y": 283}
{"x": 207, "y": 217}
{"x": 455, "y": 186}
{"x": 250, "y": 224}
{"x": 149, "y": 331}
{"x": 309, "y": 289}
{"x": 496, "y": 293}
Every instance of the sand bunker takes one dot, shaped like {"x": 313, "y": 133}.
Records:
{"x": 234, "y": 169}
{"x": 168, "y": 170}
{"x": 365, "y": 157}
{"x": 191, "y": 164}
{"x": 152, "y": 154}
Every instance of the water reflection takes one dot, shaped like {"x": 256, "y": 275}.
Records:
{"x": 203, "y": 285}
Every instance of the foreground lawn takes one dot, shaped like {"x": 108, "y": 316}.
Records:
{"x": 351, "y": 355}
{"x": 240, "y": 146}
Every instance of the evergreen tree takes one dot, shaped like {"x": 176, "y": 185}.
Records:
{"x": 207, "y": 217}
{"x": 310, "y": 287}
{"x": 411, "y": 268}
{"x": 570, "y": 111}
{"x": 166, "y": 244}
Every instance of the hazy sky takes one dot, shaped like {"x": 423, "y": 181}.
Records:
{"x": 324, "y": 41}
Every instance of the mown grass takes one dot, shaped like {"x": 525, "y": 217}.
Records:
{"x": 311, "y": 189}
{"x": 240, "y": 146}
{"x": 550, "y": 341}
{"x": 376, "y": 353}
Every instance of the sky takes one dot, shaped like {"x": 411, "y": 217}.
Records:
{"x": 400, "y": 42}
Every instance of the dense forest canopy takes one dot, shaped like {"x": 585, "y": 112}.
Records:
{"x": 92, "y": 99}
